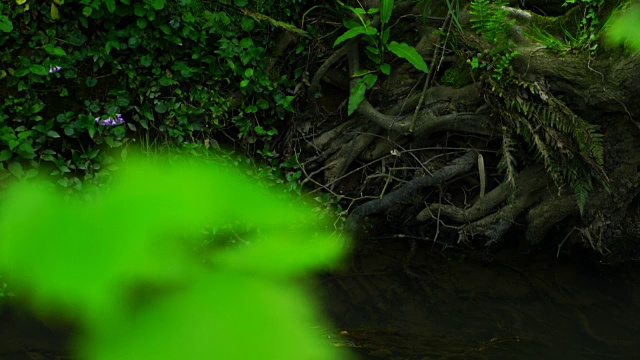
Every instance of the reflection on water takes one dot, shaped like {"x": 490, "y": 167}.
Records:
{"x": 516, "y": 307}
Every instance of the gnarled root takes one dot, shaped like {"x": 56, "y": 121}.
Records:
{"x": 549, "y": 212}
{"x": 529, "y": 185}
{"x": 456, "y": 167}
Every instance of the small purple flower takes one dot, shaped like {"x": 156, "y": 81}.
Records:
{"x": 54, "y": 69}
{"x": 110, "y": 121}
{"x": 113, "y": 119}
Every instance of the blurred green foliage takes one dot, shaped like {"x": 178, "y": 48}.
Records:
{"x": 130, "y": 266}
{"x": 626, "y": 29}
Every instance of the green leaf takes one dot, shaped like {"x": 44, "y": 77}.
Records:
{"x": 161, "y": 108}
{"x": 355, "y": 32}
{"x": 139, "y": 10}
{"x": 248, "y": 73}
{"x": 111, "y": 5}
{"x": 251, "y": 109}
{"x": 77, "y": 38}
{"x": 262, "y": 104}
{"x": 408, "y": 53}
{"x": 5, "y": 24}
{"x": 133, "y": 42}
{"x": 38, "y": 69}
{"x": 26, "y": 147}
{"x": 247, "y": 24}
{"x": 474, "y": 63}
{"x": 5, "y": 155}
{"x": 357, "y": 11}
{"x": 122, "y": 101}
{"x": 16, "y": 169}
{"x": 386, "y": 7}
{"x": 157, "y": 4}
{"x": 246, "y": 43}
{"x": 370, "y": 80}
{"x": 385, "y": 69}
{"x": 69, "y": 131}
{"x": 385, "y": 35}
{"x": 165, "y": 29}
{"x": 357, "y": 95}
{"x": 22, "y": 72}
{"x": 142, "y": 23}
{"x": 53, "y": 134}
{"x": 91, "y": 81}
{"x": 58, "y": 51}
{"x": 36, "y": 108}
{"x": 31, "y": 173}
{"x": 55, "y": 14}
{"x": 240, "y": 3}
{"x": 49, "y": 48}
{"x": 13, "y": 144}
{"x": 145, "y": 60}
{"x": 24, "y": 61}
{"x": 26, "y": 151}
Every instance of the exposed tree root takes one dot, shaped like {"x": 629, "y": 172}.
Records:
{"x": 529, "y": 183}
{"x": 456, "y": 167}
{"x": 497, "y": 224}
{"x": 340, "y": 161}
{"x": 548, "y": 213}
{"x": 527, "y": 180}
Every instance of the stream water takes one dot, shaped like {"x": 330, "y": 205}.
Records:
{"x": 517, "y": 306}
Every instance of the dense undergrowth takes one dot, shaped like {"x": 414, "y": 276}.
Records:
{"x": 83, "y": 81}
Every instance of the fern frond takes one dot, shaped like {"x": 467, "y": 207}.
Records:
{"x": 582, "y": 188}
{"x": 489, "y": 19}
{"x": 481, "y": 15}
{"x": 570, "y": 148}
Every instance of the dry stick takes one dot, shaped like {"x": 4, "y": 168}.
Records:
{"x": 563, "y": 240}
{"x": 447, "y": 23}
{"x": 483, "y": 175}
{"x": 435, "y": 237}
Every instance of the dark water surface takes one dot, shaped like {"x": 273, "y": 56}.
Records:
{"x": 518, "y": 306}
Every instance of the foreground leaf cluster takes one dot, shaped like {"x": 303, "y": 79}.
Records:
{"x": 119, "y": 265}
